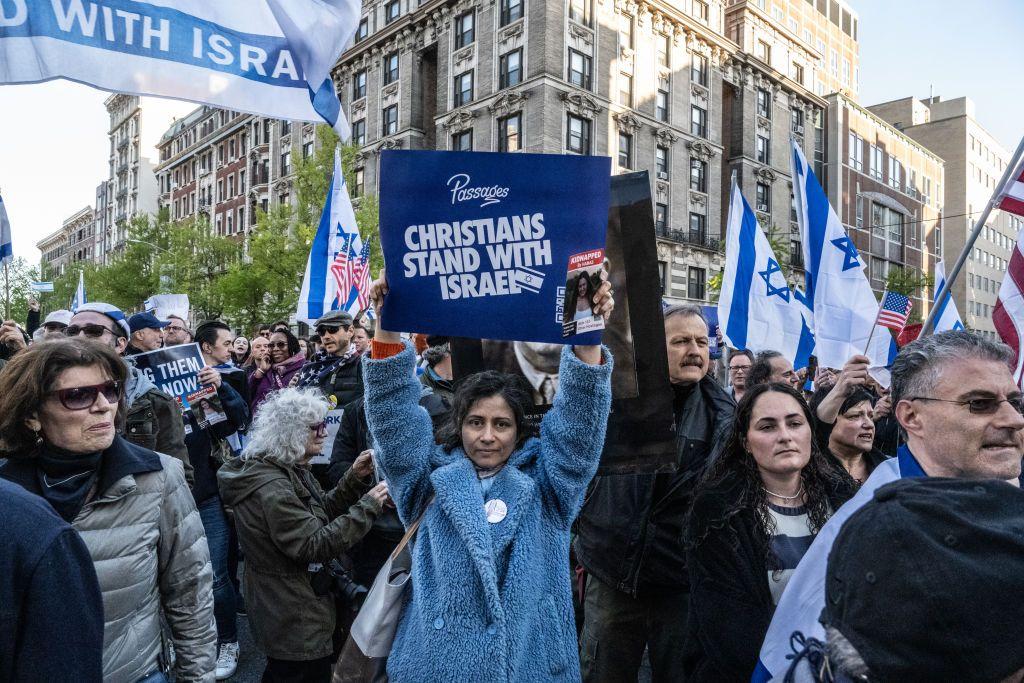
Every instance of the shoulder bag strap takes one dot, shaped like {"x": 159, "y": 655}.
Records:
{"x": 410, "y": 532}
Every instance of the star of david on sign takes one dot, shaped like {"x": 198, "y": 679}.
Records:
{"x": 766, "y": 275}
{"x": 958, "y": 326}
{"x": 850, "y": 256}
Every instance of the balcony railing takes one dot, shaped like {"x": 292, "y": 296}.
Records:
{"x": 692, "y": 238}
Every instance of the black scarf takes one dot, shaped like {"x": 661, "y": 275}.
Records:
{"x": 65, "y": 478}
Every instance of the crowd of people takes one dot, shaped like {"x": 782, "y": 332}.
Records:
{"x": 136, "y": 535}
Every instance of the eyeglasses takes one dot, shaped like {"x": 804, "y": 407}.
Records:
{"x": 175, "y": 328}
{"x": 738, "y": 368}
{"x": 980, "y": 406}
{"x": 320, "y": 429}
{"x": 330, "y": 329}
{"x": 91, "y": 331}
{"x": 279, "y": 345}
{"x": 83, "y": 398}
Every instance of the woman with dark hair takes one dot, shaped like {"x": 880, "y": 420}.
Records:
{"x": 276, "y": 371}
{"x": 240, "y": 351}
{"x": 581, "y": 304}
{"x": 59, "y": 404}
{"x": 754, "y": 515}
{"x": 491, "y": 597}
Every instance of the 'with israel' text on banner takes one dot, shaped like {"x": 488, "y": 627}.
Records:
{"x": 842, "y": 302}
{"x": 267, "y": 57}
{"x": 338, "y": 269}
{"x": 478, "y": 244}
{"x": 757, "y": 310}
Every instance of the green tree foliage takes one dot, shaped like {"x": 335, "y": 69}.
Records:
{"x": 16, "y": 279}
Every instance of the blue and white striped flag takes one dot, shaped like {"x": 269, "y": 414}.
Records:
{"x": 757, "y": 310}
{"x": 948, "y": 318}
{"x": 79, "y": 299}
{"x": 266, "y": 57}
{"x": 839, "y": 294}
{"x": 327, "y": 285}
{"x": 6, "y": 243}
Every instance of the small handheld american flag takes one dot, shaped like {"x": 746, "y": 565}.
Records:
{"x": 894, "y": 311}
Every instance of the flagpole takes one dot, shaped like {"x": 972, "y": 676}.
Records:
{"x": 951, "y": 276}
{"x": 7, "y": 292}
{"x": 875, "y": 324}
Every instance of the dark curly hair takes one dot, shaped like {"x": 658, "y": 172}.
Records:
{"x": 484, "y": 385}
{"x": 821, "y": 481}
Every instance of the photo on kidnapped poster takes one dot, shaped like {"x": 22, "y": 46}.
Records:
{"x": 641, "y": 430}
{"x": 206, "y": 407}
{"x": 586, "y": 273}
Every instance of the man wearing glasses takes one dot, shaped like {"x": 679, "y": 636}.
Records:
{"x": 176, "y": 332}
{"x": 955, "y": 397}
{"x": 153, "y": 418}
{"x": 739, "y": 366}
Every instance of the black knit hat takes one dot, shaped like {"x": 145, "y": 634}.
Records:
{"x": 926, "y": 581}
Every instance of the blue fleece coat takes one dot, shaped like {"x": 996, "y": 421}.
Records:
{"x": 489, "y": 602}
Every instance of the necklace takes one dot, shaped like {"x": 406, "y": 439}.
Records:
{"x": 799, "y": 493}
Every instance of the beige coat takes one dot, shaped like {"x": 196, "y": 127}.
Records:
{"x": 147, "y": 542}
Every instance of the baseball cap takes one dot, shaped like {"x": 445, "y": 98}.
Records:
{"x": 58, "y": 317}
{"x": 334, "y": 318}
{"x": 112, "y": 312}
{"x": 926, "y": 580}
{"x": 142, "y": 321}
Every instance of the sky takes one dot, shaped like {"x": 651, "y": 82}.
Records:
{"x": 54, "y": 145}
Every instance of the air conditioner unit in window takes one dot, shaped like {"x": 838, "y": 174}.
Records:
{"x": 662, "y": 175}
{"x": 798, "y": 129}
{"x": 762, "y": 208}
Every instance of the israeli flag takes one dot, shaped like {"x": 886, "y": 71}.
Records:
{"x": 948, "y": 318}
{"x": 757, "y": 310}
{"x": 79, "y": 298}
{"x": 267, "y": 57}
{"x": 336, "y": 243}
{"x": 6, "y": 244}
{"x": 843, "y": 305}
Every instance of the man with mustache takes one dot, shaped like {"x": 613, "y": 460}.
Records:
{"x": 630, "y": 530}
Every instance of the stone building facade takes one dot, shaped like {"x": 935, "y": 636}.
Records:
{"x": 131, "y": 186}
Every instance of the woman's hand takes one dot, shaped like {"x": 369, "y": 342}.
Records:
{"x": 363, "y": 466}
{"x": 379, "y": 493}
{"x": 263, "y": 364}
{"x": 604, "y": 304}
{"x": 378, "y": 291}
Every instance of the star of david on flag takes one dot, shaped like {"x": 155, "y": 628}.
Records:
{"x": 766, "y": 275}
{"x": 850, "y": 255}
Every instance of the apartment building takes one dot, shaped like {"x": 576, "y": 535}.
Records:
{"x": 131, "y": 185}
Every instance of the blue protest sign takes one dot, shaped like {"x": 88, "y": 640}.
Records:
{"x": 495, "y": 246}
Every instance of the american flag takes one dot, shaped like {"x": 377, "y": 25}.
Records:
{"x": 361, "y": 275}
{"x": 894, "y": 311}
{"x": 1011, "y": 197}
{"x": 341, "y": 268}
{"x": 1008, "y": 314}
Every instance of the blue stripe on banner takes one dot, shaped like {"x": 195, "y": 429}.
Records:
{"x": 319, "y": 260}
{"x": 817, "y": 224}
{"x": 138, "y": 28}
{"x": 326, "y": 102}
{"x": 6, "y": 249}
{"x": 739, "y": 311}
{"x": 945, "y": 301}
{"x": 805, "y": 347}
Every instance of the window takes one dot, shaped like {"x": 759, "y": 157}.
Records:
{"x": 698, "y": 175}
{"x": 391, "y": 11}
{"x": 359, "y": 132}
{"x": 661, "y": 105}
{"x": 463, "y": 89}
{"x": 764, "y": 103}
{"x": 856, "y": 152}
{"x": 363, "y": 30}
{"x": 763, "y": 150}
{"x": 579, "y": 69}
{"x": 798, "y": 73}
{"x": 664, "y": 48}
{"x": 625, "y": 90}
{"x": 698, "y": 121}
{"x": 895, "y": 169}
{"x": 359, "y": 85}
{"x": 511, "y": 10}
{"x": 464, "y": 29}
{"x": 661, "y": 161}
{"x": 661, "y": 218}
{"x": 699, "y": 70}
{"x": 577, "y": 137}
{"x": 359, "y": 183}
{"x": 764, "y": 197}
{"x": 662, "y": 273}
{"x": 860, "y": 212}
{"x": 625, "y": 150}
{"x": 626, "y": 31}
{"x": 286, "y": 168}
{"x": 510, "y": 68}
{"x": 580, "y": 11}
{"x": 463, "y": 142}
{"x": 700, "y": 10}
{"x": 698, "y": 228}
{"x": 796, "y": 120}
{"x": 876, "y": 162}
{"x": 390, "y": 119}
{"x": 390, "y": 68}
{"x": 509, "y": 128}
{"x": 764, "y": 52}
{"x": 697, "y": 283}
{"x": 286, "y": 127}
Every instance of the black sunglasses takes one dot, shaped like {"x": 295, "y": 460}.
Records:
{"x": 91, "y": 331}
{"x": 279, "y": 345}
{"x": 83, "y": 398}
{"x": 320, "y": 428}
{"x": 330, "y": 329}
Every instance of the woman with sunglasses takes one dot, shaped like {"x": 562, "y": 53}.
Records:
{"x": 290, "y": 530}
{"x": 59, "y": 405}
{"x": 276, "y": 371}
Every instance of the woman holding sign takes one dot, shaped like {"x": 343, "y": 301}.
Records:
{"x": 491, "y": 596}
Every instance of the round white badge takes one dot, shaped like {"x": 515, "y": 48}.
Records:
{"x": 496, "y": 510}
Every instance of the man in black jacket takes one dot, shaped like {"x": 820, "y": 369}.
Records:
{"x": 630, "y": 530}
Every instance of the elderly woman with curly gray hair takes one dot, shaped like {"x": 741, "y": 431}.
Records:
{"x": 290, "y": 530}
